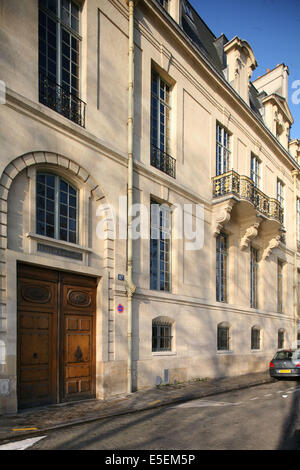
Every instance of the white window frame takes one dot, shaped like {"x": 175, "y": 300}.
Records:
{"x": 60, "y": 25}
{"x": 158, "y": 230}
{"x": 57, "y": 206}
{"x": 163, "y": 141}
{"x": 255, "y": 171}
{"x": 223, "y": 150}
{"x": 280, "y": 196}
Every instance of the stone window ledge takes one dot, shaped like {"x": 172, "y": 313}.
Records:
{"x": 59, "y": 243}
{"x": 226, "y": 351}
{"x": 164, "y": 353}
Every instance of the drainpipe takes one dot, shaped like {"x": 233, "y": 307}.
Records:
{"x": 295, "y": 174}
{"x": 130, "y": 287}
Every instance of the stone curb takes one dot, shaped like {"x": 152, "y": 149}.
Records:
{"x": 120, "y": 412}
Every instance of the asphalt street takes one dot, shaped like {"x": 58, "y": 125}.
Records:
{"x": 265, "y": 417}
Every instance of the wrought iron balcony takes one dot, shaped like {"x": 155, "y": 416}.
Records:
{"x": 163, "y": 161}
{"x": 243, "y": 188}
{"x": 61, "y": 100}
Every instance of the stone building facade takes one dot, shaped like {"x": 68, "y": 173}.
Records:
{"x": 204, "y": 136}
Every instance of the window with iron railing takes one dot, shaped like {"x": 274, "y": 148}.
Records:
{"x": 160, "y": 126}
{"x": 59, "y": 58}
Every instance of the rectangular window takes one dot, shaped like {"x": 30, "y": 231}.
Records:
{"x": 280, "y": 286}
{"x": 160, "y": 241}
{"x": 254, "y": 258}
{"x": 223, "y": 338}
{"x": 160, "y": 125}
{"x": 221, "y": 268}
{"x": 223, "y": 153}
{"x": 280, "y": 196}
{"x": 59, "y": 58}
{"x": 298, "y": 222}
{"x": 298, "y": 293}
{"x": 255, "y": 171}
{"x": 56, "y": 208}
{"x": 255, "y": 338}
{"x": 280, "y": 339}
{"x": 161, "y": 337}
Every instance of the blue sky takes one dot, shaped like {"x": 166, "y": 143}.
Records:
{"x": 272, "y": 28}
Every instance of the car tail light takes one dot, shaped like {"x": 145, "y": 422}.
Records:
{"x": 298, "y": 365}
{"x": 272, "y": 365}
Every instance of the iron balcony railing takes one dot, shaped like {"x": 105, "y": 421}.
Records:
{"x": 61, "y": 100}
{"x": 163, "y": 161}
{"x": 231, "y": 183}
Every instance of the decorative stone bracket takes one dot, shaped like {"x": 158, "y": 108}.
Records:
{"x": 273, "y": 243}
{"x": 250, "y": 234}
{"x": 222, "y": 216}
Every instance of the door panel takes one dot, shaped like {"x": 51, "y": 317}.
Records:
{"x": 78, "y": 310}
{"x": 54, "y": 367}
{"x": 37, "y": 338}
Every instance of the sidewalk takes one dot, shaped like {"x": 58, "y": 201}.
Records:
{"x": 36, "y": 421}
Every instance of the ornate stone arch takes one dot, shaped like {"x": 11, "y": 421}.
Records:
{"x": 54, "y": 160}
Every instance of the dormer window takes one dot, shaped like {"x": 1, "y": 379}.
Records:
{"x": 164, "y": 4}
{"x": 188, "y": 11}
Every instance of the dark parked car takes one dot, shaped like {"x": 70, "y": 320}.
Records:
{"x": 285, "y": 363}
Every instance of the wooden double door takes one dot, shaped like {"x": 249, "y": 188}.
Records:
{"x": 56, "y": 336}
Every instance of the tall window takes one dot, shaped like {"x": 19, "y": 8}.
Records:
{"x": 280, "y": 195}
{"x": 298, "y": 221}
{"x": 255, "y": 171}
{"x": 280, "y": 343}
{"x": 223, "y": 159}
{"x": 298, "y": 293}
{"x": 161, "y": 336}
{"x": 160, "y": 125}
{"x": 59, "y": 53}
{"x": 160, "y": 113}
{"x": 255, "y": 337}
{"x": 254, "y": 259}
{"x": 223, "y": 337}
{"x": 221, "y": 268}
{"x": 280, "y": 286}
{"x": 56, "y": 208}
{"x": 160, "y": 240}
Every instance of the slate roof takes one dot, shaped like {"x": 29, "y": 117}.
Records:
{"x": 212, "y": 47}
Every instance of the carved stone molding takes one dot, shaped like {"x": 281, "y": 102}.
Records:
{"x": 273, "y": 243}
{"x": 222, "y": 216}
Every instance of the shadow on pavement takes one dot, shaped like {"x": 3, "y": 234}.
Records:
{"x": 290, "y": 436}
